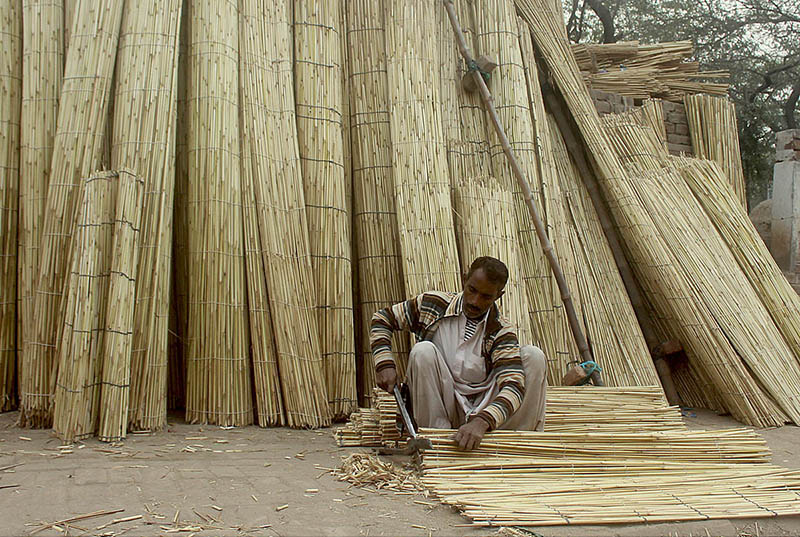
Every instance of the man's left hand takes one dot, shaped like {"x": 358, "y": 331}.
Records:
{"x": 470, "y": 434}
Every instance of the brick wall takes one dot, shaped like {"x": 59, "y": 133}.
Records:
{"x": 787, "y": 146}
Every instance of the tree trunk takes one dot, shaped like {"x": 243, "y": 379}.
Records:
{"x": 606, "y": 18}
{"x": 790, "y": 107}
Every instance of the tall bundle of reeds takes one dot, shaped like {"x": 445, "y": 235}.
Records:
{"x": 713, "y": 191}
{"x": 42, "y": 68}
{"x": 218, "y": 386}
{"x": 10, "y": 115}
{"x": 422, "y": 186}
{"x": 319, "y": 101}
{"x": 664, "y": 281}
{"x": 712, "y": 127}
{"x": 380, "y": 269}
{"x": 599, "y": 293}
{"x": 267, "y": 108}
{"x": 498, "y": 36}
{"x": 121, "y": 297}
{"x": 145, "y": 112}
{"x": 94, "y": 344}
{"x": 269, "y": 405}
{"x": 77, "y": 152}
{"x": 555, "y": 333}
{"x": 484, "y": 217}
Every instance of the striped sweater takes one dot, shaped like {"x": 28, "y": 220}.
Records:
{"x": 500, "y": 347}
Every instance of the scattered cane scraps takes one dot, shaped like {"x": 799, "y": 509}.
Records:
{"x": 366, "y": 470}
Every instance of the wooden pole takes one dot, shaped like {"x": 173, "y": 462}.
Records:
{"x": 547, "y": 247}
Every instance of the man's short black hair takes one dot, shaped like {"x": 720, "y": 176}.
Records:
{"x": 495, "y": 270}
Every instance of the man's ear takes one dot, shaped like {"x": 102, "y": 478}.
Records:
{"x": 464, "y": 279}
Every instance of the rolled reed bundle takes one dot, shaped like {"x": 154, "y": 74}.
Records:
{"x": 498, "y": 36}
{"x": 42, "y": 67}
{"x": 218, "y": 386}
{"x": 81, "y": 339}
{"x": 712, "y": 127}
{"x": 318, "y": 99}
{"x": 380, "y": 270}
{"x": 269, "y": 405}
{"x": 484, "y": 217}
{"x": 10, "y": 117}
{"x": 268, "y": 108}
{"x": 422, "y": 186}
{"x": 712, "y": 189}
{"x": 77, "y": 152}
{"x": 724, "y": 288}
{"x": 145, "y": 113}
{"x": 555, "y": 330}
{"x": 119, "y": 321}
{"x": 598, "y": 291}
{"x": 663, "y": 281}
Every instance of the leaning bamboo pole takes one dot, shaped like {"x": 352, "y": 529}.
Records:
{"x": 82, "y": 117}
{"x": 144, "y": 141}
{"x": 422, "y": 186}
{"x": 81, "y": 342}
{"x": 10, "y": 117}
{"x": 42, "y": 67}
{"x": 269, "y": 114}
{"x": 319, "y": 101}
{"x": 379, "y": 263}
{"x": 692, "y": 322}
{"x": 118, "y": 325}
{"x": 715, "y": 136}
{"x": 218, "y": 387}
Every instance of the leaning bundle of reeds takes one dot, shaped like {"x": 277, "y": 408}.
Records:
{"x": 145, "y": 112}
{"x": 484, "y": 217}
{"x": 10, "y": 114}
{"x": 318, "y": 99}
{"x": 652, "y": 113}
{"x": 740, "y": 317}
{"x": 712, "y": 127}
{"x": 121, "y": 300}
{"x": 498, "y": 36}
{"x": 81, "y": 338}
{"x": 82, "y": 117}
{"x": 267, "y": 92}
{"x": 422, "y": 186}
{"x": 664, "y": 281}
{"x": 266, "y": 379}
{"x": 43, "y": 67}
{"x": 218, "y": 386}
{"x": 635, "y": 141}
{"x": 598, "y": 290}
{"x": 711, "y": 188}
{"x": 379, "y": 263}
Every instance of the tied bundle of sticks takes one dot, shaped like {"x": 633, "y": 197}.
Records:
{"x": 643, "y": 71}
{"x": 10, "y": 114}
{"x": 94, "y": 350}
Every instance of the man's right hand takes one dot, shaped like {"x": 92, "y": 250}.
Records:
{"x": 386, "y": 378}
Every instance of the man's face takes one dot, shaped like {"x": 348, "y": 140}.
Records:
{"x": 479, "y": 294}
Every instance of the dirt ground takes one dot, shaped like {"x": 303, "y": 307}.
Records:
{"x": 204, "y": 481}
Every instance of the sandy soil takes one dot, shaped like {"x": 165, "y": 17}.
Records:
{"x": 210, "y": 481}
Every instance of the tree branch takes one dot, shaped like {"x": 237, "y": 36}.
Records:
{"x": 790, "y": 107}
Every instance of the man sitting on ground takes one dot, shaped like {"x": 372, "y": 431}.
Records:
{"x": 467, "y": 370}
